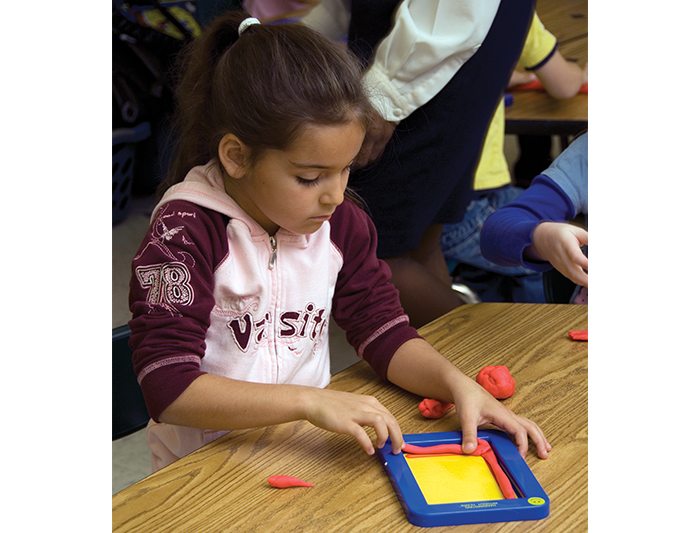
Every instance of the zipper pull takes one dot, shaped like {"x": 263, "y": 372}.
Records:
{"x": 273, "y": 243}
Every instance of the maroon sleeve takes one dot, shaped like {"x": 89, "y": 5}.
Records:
{"x": 366, "y": 304}
{"x": 171, "y": 297}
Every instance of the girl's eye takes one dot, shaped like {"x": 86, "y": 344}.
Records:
{"x": 308, "y": 182}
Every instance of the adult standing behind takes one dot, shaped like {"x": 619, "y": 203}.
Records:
{"x": 436, "y": 73}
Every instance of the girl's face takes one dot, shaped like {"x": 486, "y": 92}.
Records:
{"x": 299, "y": 189}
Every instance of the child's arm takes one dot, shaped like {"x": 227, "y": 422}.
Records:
{"x": 417, "y": 367}
{"x": 219, "y": 403}
{"x": 560, "y": 244}
{"x": 561, "y": 78}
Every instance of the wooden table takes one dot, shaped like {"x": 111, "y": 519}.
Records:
{"x": 222, "y": 487}
{"x": 537, "y": 113}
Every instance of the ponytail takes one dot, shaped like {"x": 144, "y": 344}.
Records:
{"x": 262, "y": 86}
{"x": 195, "y": 72}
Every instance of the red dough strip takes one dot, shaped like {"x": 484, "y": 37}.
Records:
{"x": 499, "y": 474}
{"x": 284, "y": 482}
{"x": 483, "y": 449}
{"x": 579, "y": 335}
{"x": 432, "y": 450}
{"x": 536, "y": 85}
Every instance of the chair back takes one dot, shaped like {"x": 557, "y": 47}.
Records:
{"x": 129, "y": 413}
{"x": 558, "y": 289}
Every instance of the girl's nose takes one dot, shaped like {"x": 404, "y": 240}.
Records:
{"x": 334, "y": 192}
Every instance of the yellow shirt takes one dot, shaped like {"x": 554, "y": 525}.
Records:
{"x": 493, "y": 171}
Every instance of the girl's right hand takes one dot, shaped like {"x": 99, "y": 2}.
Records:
{"x": 347, "y": 413}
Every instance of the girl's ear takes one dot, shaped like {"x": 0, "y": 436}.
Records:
{"x": 233, "y": 154}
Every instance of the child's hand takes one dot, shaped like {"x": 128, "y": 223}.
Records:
{"x": 560, "y": 244}
{"x": 476, "y": 407}
{"x": 521, "y": 78}
{"x": 376, "y": 138}
{"x": 346, "y": 413}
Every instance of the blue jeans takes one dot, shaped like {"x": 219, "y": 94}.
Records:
{"x": 461, "y": 243}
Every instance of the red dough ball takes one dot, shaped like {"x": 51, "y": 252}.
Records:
{"x": 434, "y": 408}
{"x": 497, "y": 380}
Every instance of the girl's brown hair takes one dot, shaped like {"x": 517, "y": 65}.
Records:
{"x": 262, "y": 86}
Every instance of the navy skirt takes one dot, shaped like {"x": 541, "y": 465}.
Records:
{"x": 426, "y": 173}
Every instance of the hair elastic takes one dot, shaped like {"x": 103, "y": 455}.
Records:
{"x": 247, "y": 23}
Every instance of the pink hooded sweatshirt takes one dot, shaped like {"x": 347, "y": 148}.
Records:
{"x": 212, "y": 292}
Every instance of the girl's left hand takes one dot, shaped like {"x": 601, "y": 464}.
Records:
{"x": 419, "y": 368}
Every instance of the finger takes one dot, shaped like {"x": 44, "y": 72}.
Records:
{"x": 582, "y": 236}
{"x": 537, "y": 436}
{"x": 577, "y": 269}
{"x": 544, "y": 449}
{"x": 539, "y": 440}
{"x": 521, "y": 440}
{"x": 360, "y": 435}
{"x": 577, "y": 275}
{"x": 362, "y": 157}
{"x": 392, "y": 427}
{"x": 374, "y": 151}
{"x": 377, "y": 150}
{"x": 533, "y": 431}
{"x": 512, "y": 426}
{"x": 396, "y": 437}
{"x": 582, "y": 261}
{"x": 381, "y": 429}
{"x": 385, "y": 426}
{"x": 583, "y": 279}
{"x": 574, "y": 267}
{"x": 469, "y": 434}
{"x": 370, "y": 154}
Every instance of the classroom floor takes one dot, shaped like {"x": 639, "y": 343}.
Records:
{"x": 130, "y": 455}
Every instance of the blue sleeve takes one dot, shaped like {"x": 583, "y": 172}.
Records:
{"x": 570, "y": 172}
{"x": 508, "y": 231}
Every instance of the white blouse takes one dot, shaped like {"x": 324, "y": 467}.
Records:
{"x": 428, "y": 43}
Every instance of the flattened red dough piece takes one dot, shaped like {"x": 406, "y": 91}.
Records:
{"x": 284, "y": 482}
{"x": 579, "y": 335}
{"x": 497, "y": 380}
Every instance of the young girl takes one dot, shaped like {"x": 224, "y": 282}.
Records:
{"x": 255, "y": 243}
